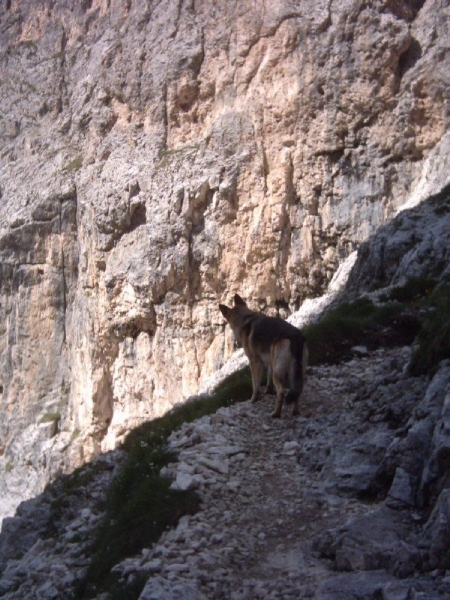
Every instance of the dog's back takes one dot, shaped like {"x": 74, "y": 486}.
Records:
{"x": 272, "y": 343}
{"x": 267, "y": 330}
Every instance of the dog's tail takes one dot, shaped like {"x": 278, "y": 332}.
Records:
{"x": 297, "y": 370}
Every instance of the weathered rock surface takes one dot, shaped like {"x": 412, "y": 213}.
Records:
{"x": 43, "y": 547}
{"x": 413, "y": 245}
{"x": 289, "y": 508}
{"x": 158, "y": 157}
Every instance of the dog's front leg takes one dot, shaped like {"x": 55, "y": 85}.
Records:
{"x": 256, "y": 368}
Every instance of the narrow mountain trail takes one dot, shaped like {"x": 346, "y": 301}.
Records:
{"x": 291, "y": 508}
{"x": 271, "y": 488}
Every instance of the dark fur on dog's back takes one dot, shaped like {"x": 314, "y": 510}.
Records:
{"x": 272, "y": 328}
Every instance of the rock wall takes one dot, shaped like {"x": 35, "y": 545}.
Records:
{"x": 156, "y": 158}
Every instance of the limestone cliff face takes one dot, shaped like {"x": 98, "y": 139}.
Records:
{"x": 157, "y": 157}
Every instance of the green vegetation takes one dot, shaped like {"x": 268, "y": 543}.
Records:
{"x": 75, "y": 434}
{"x": 84, "y": 121}
{"x": 140, "y": 504}
{"x": 166, "y": 156}
{"x": 65, "y": 387}
{"x": 9, "y": 467}
{"x": 74, "y": 165}
{"x": 358, "y": 322}
{"x": 50, "y": 418}
{"x": 416, "y": 311}
{"x": 29, "y": 45}
{"x": 434, "y": 336}
{"x": 431, "y": 301}
{"x": 415, "y": 289}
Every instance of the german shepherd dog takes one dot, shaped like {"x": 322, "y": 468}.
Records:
{"x": 274, "y": 344}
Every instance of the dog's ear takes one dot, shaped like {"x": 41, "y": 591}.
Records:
{"x": 225, "y": 310}
{"x": 238, "y": 301}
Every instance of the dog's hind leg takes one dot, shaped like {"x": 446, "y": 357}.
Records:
{"x": 280, "y": 394}
{"x": 257, "y": 369}
{"x": 297, "y": 373}
{"x": 269, "y": 384}
{"x": 279, "y": 360}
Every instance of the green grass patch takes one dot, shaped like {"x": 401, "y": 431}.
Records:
{"x": 50, "y": 418}
{"x": 140, "y": 504}
{"x": 417, "y": 311}
{"x": 28, "y": 44}
{"x": 75, "y": 434}
{"x": 140, "y": 507}
{"x": 415, "y": 289}
{"x": 431, "y": 301}
{"x": 165, "y": 157}
{"x": 74, "y": 165}
{"x": 360, "y": 322}
{"x": 434, "y": 337}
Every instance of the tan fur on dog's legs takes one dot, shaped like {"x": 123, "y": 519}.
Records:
{"x": 278, "y": 406}
{"x": 257, "y": 369}
{"x": 269, "y": 385}
{"x": 280, "y": 395}
{"x": 296, "y": 409}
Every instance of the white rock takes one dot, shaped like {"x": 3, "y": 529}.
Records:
{"x": 220, "y": 466}
{"x": 152, "y": 566}
{"x": 184, "y": 482}
{"x": 290, "y": 447}
{"x": 177, "y": 568}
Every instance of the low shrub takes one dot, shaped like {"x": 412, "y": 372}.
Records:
{"x": 416, "y": 311}
{"x": 434, "y": 337}
{"x": 414, "y": 290}
{"x": 49, "y": 418}
{"x": 350, "y": 324}
{"x": 74, "y": 165}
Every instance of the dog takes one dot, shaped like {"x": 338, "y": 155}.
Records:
{"x": 273, "y": 344}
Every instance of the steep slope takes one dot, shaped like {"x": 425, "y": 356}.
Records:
{"x": 158, "y": 157}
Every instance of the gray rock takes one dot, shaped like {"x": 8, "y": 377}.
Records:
{"x": 157, "y": 590}
{"x": 402, "y": 491}
{"x": 397, "y": 590}
{"x": 217, "y": 465}
{"x": 152, "y": 566}
{"x": 184, "y": 481}
{"x": 359, "y": 586}
{"x": 366, "y": 543}
{"x": 436, "y": 533}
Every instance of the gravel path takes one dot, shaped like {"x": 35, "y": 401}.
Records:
{"x": 287, "y": 507}
{"x": 269, "y": 488}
